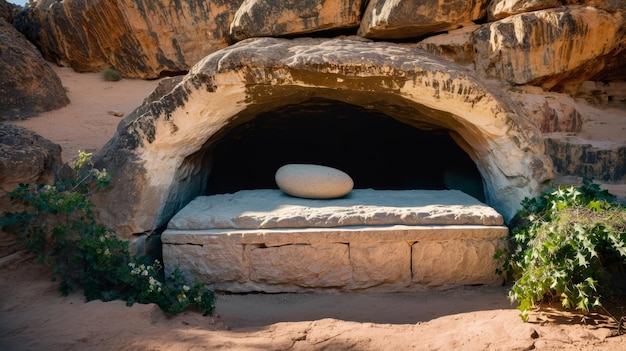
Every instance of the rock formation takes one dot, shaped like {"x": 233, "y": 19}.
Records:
{"x": 499, "y": 9}
{"x": 237, "y": 84}
{"x": 556, "y": 49}
{"x": 396, "y": 19}
{"x": 537, "y": 42}
{"x": 514, "y": 85}
{"x": 268, "y": 18}
{"x": 27, "y": 84}
{"x": 25, "y": 157}
{"x": 28, "y": 158}
{"x": 138, "y": 38}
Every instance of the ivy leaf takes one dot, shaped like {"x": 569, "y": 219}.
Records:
{"x": 582, "y": 260}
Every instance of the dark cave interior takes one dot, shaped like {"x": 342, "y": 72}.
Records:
{"x": 376, "y": 150}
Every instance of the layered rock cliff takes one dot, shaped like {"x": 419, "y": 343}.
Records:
{"x": 521, "y": 86}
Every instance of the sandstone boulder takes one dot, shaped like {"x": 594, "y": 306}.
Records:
{"x": 27, "y": 84}
{"x": 262, "y": 18}
{"x": 138, "y": 38}
{"x": 25, "y": 157}
{"x": 557, "y": 49}
{"x": 313, "y": 181}
{"x": 499, "y": 9}
{"x": 396, "y": 19}
{"x": 28, "y": 158}
{"x": 456, "y": 45}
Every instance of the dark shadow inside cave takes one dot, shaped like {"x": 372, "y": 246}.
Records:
{"x": 376, "y": 150}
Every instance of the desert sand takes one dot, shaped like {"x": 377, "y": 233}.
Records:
{"x": 34, "y": 316}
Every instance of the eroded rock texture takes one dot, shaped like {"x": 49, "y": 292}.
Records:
{"x": 167, "y": 144}
{"x": 397, "y": 19}
{"x": 263, "y": 18}
{"x": 556, "y": 49}
{"x": 27, "y": 84}
{"x": 139, "y": 38}
{"x": 499, "y": 9}
{"x": 25, "y": 157}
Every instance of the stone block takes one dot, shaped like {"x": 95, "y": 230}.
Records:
{"x": 376, "y": 263}
{"x": 213, "y": 262}
{"x": 317, "y": 265}
{"x": 455, "y": 262}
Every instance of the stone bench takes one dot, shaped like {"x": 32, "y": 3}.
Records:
{"x": 264, "y": 240}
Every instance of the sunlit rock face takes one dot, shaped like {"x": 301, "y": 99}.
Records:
{"x": 479, "y": 88}
{"x": 163, "y": 154}
{"x": 139, "y": 38}
{"x": 269, "y": 18}
{"x": 396, "y": 19}
{"x": 556, "y": 49}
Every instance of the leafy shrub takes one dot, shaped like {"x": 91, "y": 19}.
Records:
{"x": 59, "y": 224}
{"x": 111, "y": 75}
{"x": 565, "y": 247}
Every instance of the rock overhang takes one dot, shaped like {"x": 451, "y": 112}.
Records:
{"x": 257, "y": 75}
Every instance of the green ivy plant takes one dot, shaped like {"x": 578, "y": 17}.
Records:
{"x": 567, "y": 245}
{"x": 58, "y": 223}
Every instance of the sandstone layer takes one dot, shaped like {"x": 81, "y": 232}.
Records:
{"x": 263, "y": 18}
{"x": 538, "y": 42}
{"x": 141, "y": 39}
{"x": 396, "y": 19}
{"x": 556, "y": 49}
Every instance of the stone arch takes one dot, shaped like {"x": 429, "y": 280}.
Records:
{"x": 158, "y": 157}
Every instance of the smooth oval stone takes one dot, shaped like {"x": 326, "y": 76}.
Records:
{"x": 313, "y": 181}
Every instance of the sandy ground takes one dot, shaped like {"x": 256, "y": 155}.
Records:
{"x": 33, "y": 316}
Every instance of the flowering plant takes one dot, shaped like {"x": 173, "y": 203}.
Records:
{"x": 60, "y": 226}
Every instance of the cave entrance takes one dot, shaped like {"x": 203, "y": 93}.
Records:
{"x": 376, "y": 150}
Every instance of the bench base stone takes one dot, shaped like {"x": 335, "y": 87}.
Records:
{"x": 379, "y": 259}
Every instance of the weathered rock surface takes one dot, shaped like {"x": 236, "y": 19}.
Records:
{"x": 396, "y": 19}
{"x": 456, "y": 45}
{"x": 592, "y": 159}
{"x": 258, "y": 75}
{"x": 381, "y": 258}
{"x": 557, "y": 49}
{"x": 138, "y": 38}
{"x": 499, "y": 9}
{"x": 27, "y": 84}
{"x": 268, "y": 208}
{"x": 262, "y": 18}
{"x": 313, "y": 181}
{"x": 6, "y": 11}
{"x": 25, "y": 157}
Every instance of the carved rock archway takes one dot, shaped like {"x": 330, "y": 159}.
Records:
{"x": 160, "y": 156}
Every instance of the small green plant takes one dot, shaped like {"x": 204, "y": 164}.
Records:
{"x": 111, "y": 75}
{"x": 565, "y": 247}
{"x": 59, "y": 224}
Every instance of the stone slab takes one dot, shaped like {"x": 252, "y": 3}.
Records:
{"x": 382, "y": 259}
{"x": 271, "y": 208}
